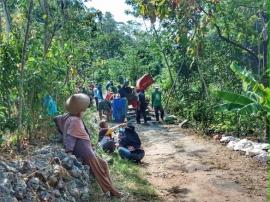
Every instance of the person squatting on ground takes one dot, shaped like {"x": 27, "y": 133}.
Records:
{"x": 156, "y": 103}
{"x": 105, "y": 137}
{"x": 77, "y": 141}
{"x": 141, "y": 109}
{"x": 130, "y": 144}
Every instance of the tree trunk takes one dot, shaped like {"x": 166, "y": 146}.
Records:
{"x": 1, "y": 27}
{"x": 174, "y": 83}
{"x": 23, "y": 60}
{"x": 265, "y": 79}
{"x": 203, "y": 83}
{"x": 163, "y": 53}
{"x": 46, "y": 27}
{"x": 63, "y": 11}
{"x": 7, "y": 16}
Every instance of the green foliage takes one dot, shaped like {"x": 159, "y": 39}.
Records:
{"x": 233, "y": 98}
{"x": 129, "y": 176}
{"x": 1, "y": 139}
{"x": 124, "y": 50}
{"x": 201, "y": 39}
{"x": 196, "y": 39}
{"x": 57, "y": 52}
{"x": 254, "y": 102}
{"x": 236, "y": 102}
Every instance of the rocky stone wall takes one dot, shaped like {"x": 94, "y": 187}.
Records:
{"x": 49, "y": 174}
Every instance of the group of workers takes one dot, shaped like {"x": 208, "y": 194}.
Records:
{"x": 128, "y": 144}
{"x": 134, "y": 97}
{"x": 77, "y": 138}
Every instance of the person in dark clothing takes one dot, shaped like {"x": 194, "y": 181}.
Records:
{"x": 99, "y": 92}
{"x": 113, "y": 88}
{"x": 141, "y": 108}
{"x": 130, "y": 144}
{"x": 125, "y": 90}
{"x": 105, "y": 107}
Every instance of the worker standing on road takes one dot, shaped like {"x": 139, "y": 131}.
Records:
{"x": 141, "y": 108}
{"x": 156, "y": 104}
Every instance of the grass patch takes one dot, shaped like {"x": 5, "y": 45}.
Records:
{"x": 129, "y": 178}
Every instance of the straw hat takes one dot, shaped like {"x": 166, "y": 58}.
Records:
{"x": 77, "y": 103}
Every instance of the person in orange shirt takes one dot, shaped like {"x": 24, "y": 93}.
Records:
{"x": 105, "y": 138}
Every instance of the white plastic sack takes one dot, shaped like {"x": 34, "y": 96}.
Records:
{"x": 226, "y": 139}
{"x": 231, "y": 145}
{"x": 243, "y": 144}
{"x": 262, "y": 146}
{"x": 253, "y": 152}
{"x": 262, "y": 157}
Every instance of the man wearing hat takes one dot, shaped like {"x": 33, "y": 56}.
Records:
{"x": 77, "y": 141}
{"x": 157, "y": 104}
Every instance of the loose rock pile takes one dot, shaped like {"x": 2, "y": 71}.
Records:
{"x": 48, "y": 175}
{"x": 258, "y": 151}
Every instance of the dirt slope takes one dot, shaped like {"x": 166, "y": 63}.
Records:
{"x": 185, "y": 167}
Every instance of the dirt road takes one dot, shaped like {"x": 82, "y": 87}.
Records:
{"x": 187, "y": 168}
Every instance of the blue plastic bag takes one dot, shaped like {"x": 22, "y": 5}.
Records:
{"x": 50, "y": 105}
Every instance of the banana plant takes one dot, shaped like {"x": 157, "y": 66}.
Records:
{"x": 256, "y": 97}
{"x": 254, "y": 101}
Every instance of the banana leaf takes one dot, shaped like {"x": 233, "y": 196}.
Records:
{"x": 244, "y": 75}
{"x": 253, "y": 108}
{"x": 228, "y": 107}
{"x": 233, "y": 98}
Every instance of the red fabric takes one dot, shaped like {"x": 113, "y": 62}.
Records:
{"x": 109, "y": 96}
{"x": 144, "y": 82}
{"x": 134, "y": 103}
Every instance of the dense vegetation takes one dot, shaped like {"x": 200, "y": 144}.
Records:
{"x": 212, "y": 46}
{"x": 209, "y": 57}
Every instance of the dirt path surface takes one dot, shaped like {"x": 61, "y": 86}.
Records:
{"x": 187, "y": 168}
